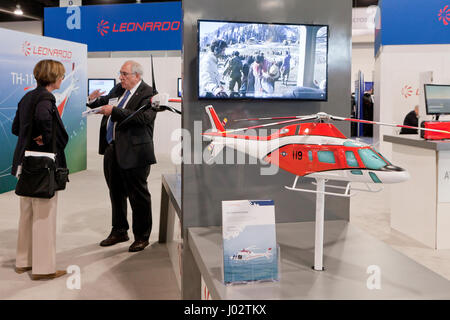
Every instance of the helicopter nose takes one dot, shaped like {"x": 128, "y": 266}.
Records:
{"x": 391, "y": 167}
{"x": 394, "y": 174}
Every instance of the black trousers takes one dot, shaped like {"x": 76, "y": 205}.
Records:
{"x": 131, "y": 184}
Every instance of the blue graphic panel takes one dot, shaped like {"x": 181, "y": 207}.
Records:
{"x": 121, "y": 27}
{"x": 18, "y": 55}
{"x": 410, "y": 22}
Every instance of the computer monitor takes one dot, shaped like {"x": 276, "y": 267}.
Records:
{"x": 179, "y": 87}
{"x": 437, "y": 99}
{"x": 105, "y": 85}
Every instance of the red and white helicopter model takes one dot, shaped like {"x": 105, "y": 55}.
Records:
{"x": 315, "y": 150}
{"x": 247, "y": 254}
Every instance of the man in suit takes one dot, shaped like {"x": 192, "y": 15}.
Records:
{"x": 128, "y": 154}
{"x": 411, "y": 119}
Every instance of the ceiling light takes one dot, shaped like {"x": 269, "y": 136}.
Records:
{"x": 18, "y": 11}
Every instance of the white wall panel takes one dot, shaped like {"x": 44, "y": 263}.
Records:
{"x": 398, "y": 77}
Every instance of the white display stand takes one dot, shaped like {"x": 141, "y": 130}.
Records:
{"x": 420, "y": 207}
{"x": 349, "y": 256}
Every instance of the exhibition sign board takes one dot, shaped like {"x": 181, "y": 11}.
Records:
{"x": 119, "y": 27}
{"x": 250, "y": 251}
{"x": 410, "y": 22}
{"x": 18, "y": 55}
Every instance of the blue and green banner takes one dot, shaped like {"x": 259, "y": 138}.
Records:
{"x": 19, "y": 54}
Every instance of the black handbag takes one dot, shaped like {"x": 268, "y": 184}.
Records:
{"x": 39, "y": 176}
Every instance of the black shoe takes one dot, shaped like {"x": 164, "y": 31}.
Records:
{"x": 138, "y": 245}
{"x": 113, "y": 239}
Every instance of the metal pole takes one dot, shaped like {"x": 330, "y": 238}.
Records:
{"x": 320, "y": 206}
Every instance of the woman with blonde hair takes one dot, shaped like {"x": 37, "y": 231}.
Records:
{"x": 37, "y": 111}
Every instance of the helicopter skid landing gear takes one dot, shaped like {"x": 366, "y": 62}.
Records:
{"x": 346, "y": 194}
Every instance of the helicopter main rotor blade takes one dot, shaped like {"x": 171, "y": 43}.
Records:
{"x": 386, "y": 124}
{"x": 270, "y": 118}
{"x": 265, "y": 125}
{"x": 308, "y": 117}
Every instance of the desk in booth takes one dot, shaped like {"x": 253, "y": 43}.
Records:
{"x": 420, "y": 207}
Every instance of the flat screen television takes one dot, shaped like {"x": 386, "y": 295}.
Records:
{"x": 179, "y": 88}
{"x": 437, "y": 99}
{"x": 103, "y": 84}
{"x": 254, "y": 60}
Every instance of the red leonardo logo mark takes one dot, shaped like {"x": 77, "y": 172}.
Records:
{"x": 407, "y": 91}
{"x": 103, "y": 27}
{"x": 444, "y": 15}
{"x": 26, "y": 48}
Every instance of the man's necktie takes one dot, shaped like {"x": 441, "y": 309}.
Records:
{"x": 110, "y": 128}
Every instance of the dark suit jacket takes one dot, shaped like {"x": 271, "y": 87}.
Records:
{"x": 45, "y": 113}
{"x": 410, "y": 120}
{"x": 133, "y": 140}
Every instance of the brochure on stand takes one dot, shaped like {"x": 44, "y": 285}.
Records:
{"x": 249, "y": 241}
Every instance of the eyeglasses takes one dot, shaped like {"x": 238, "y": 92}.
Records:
{"x": 125, "y": 74}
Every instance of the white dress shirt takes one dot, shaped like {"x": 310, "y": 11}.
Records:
{"x": 132, "y": 91}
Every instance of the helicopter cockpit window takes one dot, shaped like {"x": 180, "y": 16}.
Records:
{"x": 351, "y": 143}
{"x": 310, "y": 155}
{"x": 284, "y": 131}
{"x": 326, "y": 156}
{"x": 374, "y": 177}
{"x": 370, "y": 159}
{"x": 351, "y": 159}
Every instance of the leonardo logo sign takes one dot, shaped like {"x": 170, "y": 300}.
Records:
{"x": 26, "y": 48}
{"x": 29, "y": 49}
{"x": 444, "y": 15}
{"x": 407, "y": 91}
{"x": 103, "y": 27}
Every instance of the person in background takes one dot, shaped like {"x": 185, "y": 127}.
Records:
{"x": 234, "y": 70}
{"x": 210, "y": 78}
{"x": 286, "y": 68}
{"x": 128, "y": 154}
{"x": 248, "y": 72}
{"x": 367, "y": 113}
{"x": 411, "y": 119}
{"x": 245, "y": 70}
{"x": 36, "y": 244}
{"x": 260, "y": 70}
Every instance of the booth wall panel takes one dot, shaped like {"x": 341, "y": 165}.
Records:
{"x": 418, "y": 223}
{"x": 205, "y": 186}
{"x": 398, "y": 80}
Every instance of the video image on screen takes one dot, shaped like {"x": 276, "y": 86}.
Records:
{"x": 437, "y": 98}
{"x": 244, "y": 60}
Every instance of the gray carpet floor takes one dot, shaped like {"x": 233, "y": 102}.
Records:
{"x": 83, "y": 220}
